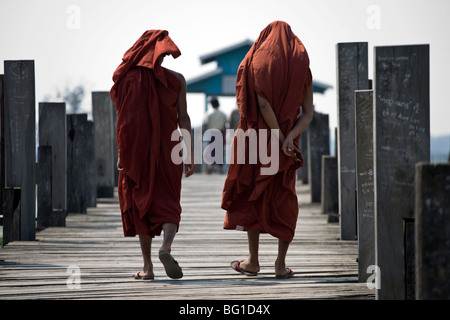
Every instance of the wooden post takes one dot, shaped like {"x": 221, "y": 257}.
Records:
{"x": 302, "y": 173}
{"x": 11, "y": 215}
{"x": 2, "y": 142}
{"x": 102, "y": 110}
{"x": 318, "y": 145}
{"x": 364, "y": 181}
{"x": 77, "y": 153}
{"x": 45, "y": 216}
{"x": 81, "y": 175}
{"x": 330, "y": 196}
{"x": 115, "y": 146}
{"x": 402, "y": 138}
{"x": 352, "y": 74}
{"x": 91, "y": 186}
{"x": 410, "y": 267}
{"x": 432, "y": 226}
{"x": 20, "y": 139}
{"x": 52, "y": 132}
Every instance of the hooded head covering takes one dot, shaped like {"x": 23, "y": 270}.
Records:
{"x": 277, "y": 68}
{"x": 144, "y": 53}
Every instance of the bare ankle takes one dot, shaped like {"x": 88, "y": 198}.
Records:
{"x": 165, "y": 249}
{"x": 250, "y": 265}
{"x": 280, "y": 264}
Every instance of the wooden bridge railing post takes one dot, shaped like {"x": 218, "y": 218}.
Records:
{"x": 364, "y": 181}
{"x": 318, "y": 145}
{"x": 81, "y": 178}
{"x": 432, "y": 231}
{"x": 102, "y": 110}
{"x": 2, "y": 140}
{"x": 44, "y": 187}
{"x": 330, "y": 202}
{"x": 401, "y": 139}
{"x": 52, "y": 132}
{"x": 91, "y": 186}
{"x": 20, "y": 139}
{"x": 352, "y": 74}
{"x": 302, "y": 173}
{"x": 11, "y": 215}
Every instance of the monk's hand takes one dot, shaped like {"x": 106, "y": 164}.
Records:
{"x": 290, "y": 149}
{"x": 189, "y": 165}
{"x": 189, "y": 169}
{"x": 119, "y": 166}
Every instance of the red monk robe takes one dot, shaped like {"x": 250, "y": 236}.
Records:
{"x": 145, "y": 95}
{"x": 277, "y": 69}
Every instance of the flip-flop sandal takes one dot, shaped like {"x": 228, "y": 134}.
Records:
{"x": 171, "y": 266}
{"x": 288, "y": 275}
{"x": 235, "y": 265}
{"x": 138, "y": 276}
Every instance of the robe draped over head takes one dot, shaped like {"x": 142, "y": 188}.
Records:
{"x": 277, "y": 68}
{"x": 146, "y": 96}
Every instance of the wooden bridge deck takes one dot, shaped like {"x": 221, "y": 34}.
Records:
{"x": 325, "y": 267}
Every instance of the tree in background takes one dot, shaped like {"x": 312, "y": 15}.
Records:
{"x": 72, "y": 95}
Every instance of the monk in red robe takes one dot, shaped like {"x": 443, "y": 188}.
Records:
{"x": 274, "y": 92}
{"x": 151, "y": 104}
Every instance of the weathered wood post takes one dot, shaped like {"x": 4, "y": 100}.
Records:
{"x": 115, "y": 146}
{"x": 45, "y": 215}
{"x": 432, "y": 231}
{"x": 401, "y": 139}
{"x": 102, "y": 110}
{"x": 330, "y": 202}
{"x": 78, "y": 177}
{"x": 20, "y": 139}
{"x": 11, "y": 215}
{"x": 52, "y": 132}
{"x": 352, "y": 74}
{"x": 318, "y": 145}
{"x": 2, "y": 143}
{"x": 302, "y": 173}
{"x": 364, "y": 181}
{"x": 91, "y": 186}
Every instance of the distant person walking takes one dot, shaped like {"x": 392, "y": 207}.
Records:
{"x": 274, "y": 81}
{"x": 216, "y": 120}
{"x": 151, "y": 103}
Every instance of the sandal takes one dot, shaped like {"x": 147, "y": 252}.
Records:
{"x": 138, "y": 276}
{"x": 171, "y": 266}
{"x": 288, "y": 275}
{"x": 235, "y": 265}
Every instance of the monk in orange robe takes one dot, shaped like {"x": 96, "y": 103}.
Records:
{"x": 151, "y": 104}
{"x": 274, "y": 83}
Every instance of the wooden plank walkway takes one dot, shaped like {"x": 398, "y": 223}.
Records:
{"x": 325, "y": 267}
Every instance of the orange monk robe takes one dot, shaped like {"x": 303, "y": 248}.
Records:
{"x": 276, "y": 68}
{"x": 146, "y": 95}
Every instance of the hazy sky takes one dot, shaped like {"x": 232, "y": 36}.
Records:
{"x": 83, "y": 41}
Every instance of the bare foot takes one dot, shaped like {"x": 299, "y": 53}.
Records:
{"x": 146, "y": 273}
{"x": 249, "y": 266}
{"x": 282, "y": 272}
